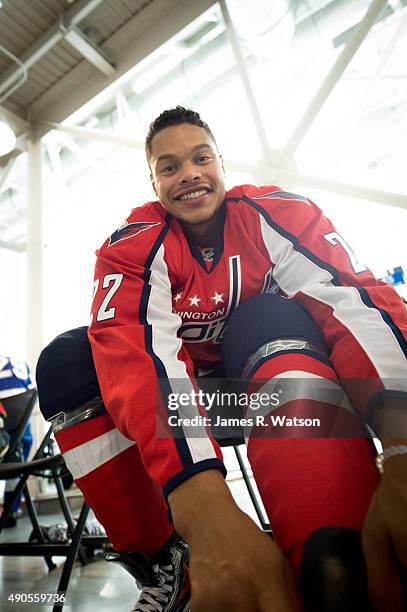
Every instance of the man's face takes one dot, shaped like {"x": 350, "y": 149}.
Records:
{"x": 187, "y": 173}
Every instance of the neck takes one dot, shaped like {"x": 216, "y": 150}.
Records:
{"x": 205, "y": 234}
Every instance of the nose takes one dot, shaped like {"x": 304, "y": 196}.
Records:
{"x": 190, "y": 173}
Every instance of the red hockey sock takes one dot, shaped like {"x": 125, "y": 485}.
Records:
{"x": 109, "y": 471}
{"x": 308, "y": 482}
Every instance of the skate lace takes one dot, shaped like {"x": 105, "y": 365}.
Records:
{"x": 154, "y": 598}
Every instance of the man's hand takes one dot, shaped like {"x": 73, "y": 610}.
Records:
{"x": 238, "y": 568}
{"x": 234, "y": 566}
{"x": 385, "y": 534}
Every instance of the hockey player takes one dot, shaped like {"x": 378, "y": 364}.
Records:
{"x": 254, "y": 284}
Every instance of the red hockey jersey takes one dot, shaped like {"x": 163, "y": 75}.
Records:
{"x": 159, "y": 310}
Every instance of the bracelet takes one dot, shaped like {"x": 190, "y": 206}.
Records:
{"x": 392, "y": 451}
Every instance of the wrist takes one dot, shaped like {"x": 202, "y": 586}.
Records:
{"x": 202, "y": 500}
{"x": 390, "y": 418}
{"x": 390, "y": 441}
{"x": 393, "y": 459}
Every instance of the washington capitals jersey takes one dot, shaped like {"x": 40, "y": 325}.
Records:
{"x": 161, "y": 306}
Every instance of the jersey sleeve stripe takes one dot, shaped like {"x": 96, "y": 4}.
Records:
{"x": 90, "y": 455}
{"x": 386, "y": 318}
{"x": 375, "y": 336}
{"x": 163, "y": 346}
{"x": 6, "y": 392}
{"x": 295, "y": 243}
{"x": 14, "y": 378}
{"x": 282, "y": 195}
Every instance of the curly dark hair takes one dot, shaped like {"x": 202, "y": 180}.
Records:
{"x": 174, "y": 116}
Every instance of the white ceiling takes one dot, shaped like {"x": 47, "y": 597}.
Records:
{"x": 74, "y": 50}
{"x": 68, "y": 51}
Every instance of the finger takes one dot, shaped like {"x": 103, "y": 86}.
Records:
{"x": 383, "y": 574}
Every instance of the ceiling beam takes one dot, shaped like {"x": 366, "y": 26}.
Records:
{"x": 401, "y": 16}
{"x": 90, "y": 51}
{"x": 16, "y": 121}
{"x": 50, "y": 38}
{"x": 331, "y": 80}
{"x": 13, "y": 246}
{"x": 245, "y": 80}
{"x": 142, "y": 35}
{"x": 348, "y": 189}
{"x": 93, "y": 134}
{"x": 361, "y": 192}
{"x": 6, "y": 171}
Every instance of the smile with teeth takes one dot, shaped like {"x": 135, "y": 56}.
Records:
{"x": 193, "y": 194}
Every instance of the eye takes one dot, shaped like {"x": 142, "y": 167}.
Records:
{"x": 203, "y": 158}
{"x": 168, "y": 169}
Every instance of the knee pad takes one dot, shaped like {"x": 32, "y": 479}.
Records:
{"x": 89, "y": 410}
{"x": 333, "y": 572}
{"x": 264, "y": 325}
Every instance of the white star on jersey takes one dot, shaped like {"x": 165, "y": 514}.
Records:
{"x": 194, "y": 300}
{"x": 218, "y": 297}
{"x": 177, "y": 297}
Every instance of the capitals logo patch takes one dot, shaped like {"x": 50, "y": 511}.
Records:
{"x": 128, "y": 230}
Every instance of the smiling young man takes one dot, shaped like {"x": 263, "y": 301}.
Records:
{"x": 195, "y": 199}
{"x": 255, "y": 284}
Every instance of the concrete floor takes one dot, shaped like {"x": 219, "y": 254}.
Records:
{"x": 98, "y": 586}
